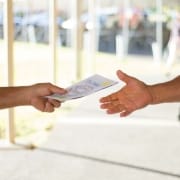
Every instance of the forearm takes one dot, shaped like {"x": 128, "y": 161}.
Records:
{"x": 166, "y": 92}
{"x": 13, "y": 96}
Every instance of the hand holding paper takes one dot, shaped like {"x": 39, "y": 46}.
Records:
{"x": 85, "y": 87}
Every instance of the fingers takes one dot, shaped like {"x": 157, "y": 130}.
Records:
{"x": 110, "y": 105}
{"x": 55, "y": 103}
{"x": 125, "y": 113}
{"x": 124, "y": 77}
{"x": 113, "y": 108}
{"x": 56, "y": 89}
{"x": 48, "y": 107}
{"x": 116, "y": 109}
{"x": 45, "y": 105}
{"x": 114, "y": 103}
{"x": 111, "y": 97}
{"x": 51, "y": 104}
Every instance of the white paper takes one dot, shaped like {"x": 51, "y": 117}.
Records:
{"x": 85, "y": 87}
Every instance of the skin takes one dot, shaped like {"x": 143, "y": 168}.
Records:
{"x": 31, "y": 95}
{"x": 136, "y": 95}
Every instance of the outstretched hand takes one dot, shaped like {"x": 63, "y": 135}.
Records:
{"x": 134, "y": 95}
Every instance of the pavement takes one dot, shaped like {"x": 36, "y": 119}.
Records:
{"x": 106, "y": 151}
{"x": 88, "y": 144}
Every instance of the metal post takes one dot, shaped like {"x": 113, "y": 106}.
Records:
{"x": 125, "y": 30}
{"x": 53, "y": 37}
{"x": 92, "y": 36}
{"x": 8, "y": 37}
{"x": 77, "y": 33}
{"x": 159, "y": 28}
{"x": 98, "y": 4}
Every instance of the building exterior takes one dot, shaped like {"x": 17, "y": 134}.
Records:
{"x": 34, "y": 5}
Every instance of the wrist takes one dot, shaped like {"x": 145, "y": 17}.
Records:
{"x": 152, "y": 92}
{"x": 23, "y": 94}
{"x": 28, "y": 95}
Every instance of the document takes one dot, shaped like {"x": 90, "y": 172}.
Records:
{"x": 85, "y": 87}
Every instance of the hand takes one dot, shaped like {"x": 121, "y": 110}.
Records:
{"x": 37, "y": 99}
{"x": 134, "y": 95}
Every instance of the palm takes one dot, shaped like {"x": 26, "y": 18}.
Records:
{"x": 134, "y": 95}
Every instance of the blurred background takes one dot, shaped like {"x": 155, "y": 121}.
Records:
{"x": 66, "y": 41}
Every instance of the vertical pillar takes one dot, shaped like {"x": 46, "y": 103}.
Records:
{"x": 159, "y": 29}
{"x": 92, "y": 36}
{"x": 125, "y": 31}
{"x": 53, "y": 37}
{"x": 77, "y": 34}
{"x": 9, "y": 37}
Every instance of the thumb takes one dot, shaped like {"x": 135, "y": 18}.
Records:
{"x": 56, "y": 89}
{"x": 124, "y": 77}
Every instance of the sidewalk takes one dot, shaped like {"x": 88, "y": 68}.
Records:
{"x": 78, "y": 151}
{"x": 87, "y": 144}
